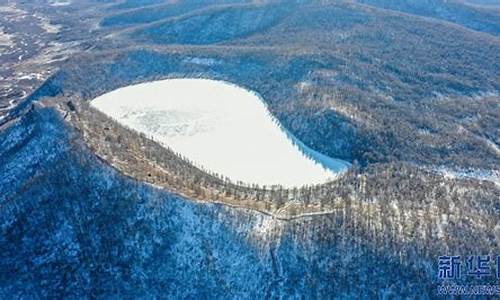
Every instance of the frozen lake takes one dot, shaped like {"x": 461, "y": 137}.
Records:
{"x": 220, "y": 127}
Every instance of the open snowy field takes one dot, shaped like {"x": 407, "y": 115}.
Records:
{"x": 221, "y": 128}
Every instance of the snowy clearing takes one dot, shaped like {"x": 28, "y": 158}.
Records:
{"x": 221, "y": 128}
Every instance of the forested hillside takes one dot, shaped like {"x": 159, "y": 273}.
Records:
{"x": 407, "y": 91}
{"x": 473, "y": 17}
{"x": 81, "y": 228}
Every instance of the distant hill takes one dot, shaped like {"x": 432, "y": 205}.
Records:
{"x": 472, "y": 17}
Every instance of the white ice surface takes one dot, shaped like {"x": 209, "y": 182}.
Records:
{"x": 220, "y": 127}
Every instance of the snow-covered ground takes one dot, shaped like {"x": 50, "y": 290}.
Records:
{"x": 492, "y": 175}
{"x": 59, "y": 2}
{"x": 220, "y": 127}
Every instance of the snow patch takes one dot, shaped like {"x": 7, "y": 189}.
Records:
{"x": 492, "y": 175}
{"x": 6, "y": 39}
{"x": 201, "y": 61}
{"x": 48, "y": 27}
{"x": 59, "y": 2}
